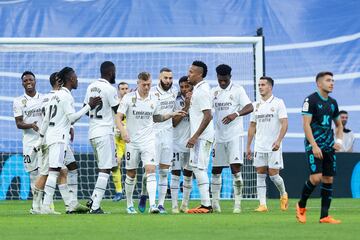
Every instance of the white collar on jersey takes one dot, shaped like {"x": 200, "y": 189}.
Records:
{"x": 37, "y": 95}
{"x": 65, "y": 89}
{"x": 104, "y": 80}
{"x": 199, "y": 84}
{"x": 137, "y": 95}
{"x": 268, "y": 100}
{"x": 228, "y": 88}
{"x": 162, "y": 91}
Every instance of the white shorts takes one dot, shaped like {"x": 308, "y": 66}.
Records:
{"x": 272, "y": 160}
{"x": 228, "y": 153}
{"x": 135, "y": 154}
{"x": 164, "y": 147}
{"x": 56, "y": 155}
{"x": 200, "y": 154}
{"x": 104, "y": 151}
{"x": 44, "y": 163}
{"x": 180, "y": 161}
{"x": 31, "y": 163}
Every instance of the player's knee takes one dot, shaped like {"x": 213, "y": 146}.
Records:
{"x": 327, "y": 179}
{"x": 261, "y": 170}
{"x": 150, "y": 169}
{"x": 176, "y": 172}
{"x": 315, "y": 179}
{"x": 72, "y": 166}
{"x": 187, "y": 173}
{"x": 131, "y": 173}
{"x": 235, "y": 168}
{"x": 273, "y": 172}
{"x": 163, "y": 173}
{"x": 216, "y": 170}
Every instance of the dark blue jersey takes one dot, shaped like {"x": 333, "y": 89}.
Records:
{"x": 323, "y": 111}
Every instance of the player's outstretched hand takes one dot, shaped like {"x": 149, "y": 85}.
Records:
{"x": 179, "y": 113}
{"x": 337, "y": 147}
{"x": 34, "y": 126}
{"x": 276, "y": 146}
{"x": 248, "y": 154}
{"x": 191, "y": 142}
{"x": 94, "y": 101}
{"x": 229, "y": 118}
{"x": 317, "y": 152}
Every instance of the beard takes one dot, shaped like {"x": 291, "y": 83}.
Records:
{"x": 165, "y": 87}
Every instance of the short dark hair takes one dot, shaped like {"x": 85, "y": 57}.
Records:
{"x": 65, "y": 74}
{"x": 223, "y": 70}
{"x": 122, "y": 83}
{"x": 202, "y": 65}
{"x": 144, "y": 76}
{"x": 165, "y": 69}
{"x": 106, "y": 67}
{"x": 269, "y": 79}
{"x": 183, "y": 79}
{"x": 53, "y": 79}
{"x": 322, "y": 74}
{"x": 27, "y": 73}
{"x": 343, "y": 112}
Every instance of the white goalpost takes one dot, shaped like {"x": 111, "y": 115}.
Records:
{"x": 44, "y": 56}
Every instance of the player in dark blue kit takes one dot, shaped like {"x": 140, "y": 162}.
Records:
{"x": 318, "y": 111}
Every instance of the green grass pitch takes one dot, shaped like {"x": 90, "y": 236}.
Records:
{"x": 16, "y": 223}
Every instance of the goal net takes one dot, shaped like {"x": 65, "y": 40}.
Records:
{"x": 44, "y": 56}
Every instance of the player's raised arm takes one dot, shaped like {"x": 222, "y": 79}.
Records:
{"x": 75, "y": 116}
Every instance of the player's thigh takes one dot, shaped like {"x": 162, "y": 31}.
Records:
{"x": 185, "y": 161}
{"x": 44, "y": 161}
{"x": 235, "y": 151}
{"x": 260, "y": 159}
{"x": 56, "y": 155}
{"x": 132, "y": 157}
{"x": 30, "y": 158}
{"x": 147, "y": 155}
{"x": 104, "y": 147}
{"x": 166, "y": 154}
{"x": 275, "y": 160}
{"x": 315, "y": 164}
{"x": 69, "y": 156}
{"x": 200, "y": 154}
{"x": 329, "y": 164}
{"x": 220, "y": 158}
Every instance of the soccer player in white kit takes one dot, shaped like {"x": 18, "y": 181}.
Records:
{"x": 28, "y": 117}
{"x": 268, "y": 123}
{"x": 101, "y": 130}
{"x": 202, "y": 132}
{"x": 230, "y": 102}
{"x": 56, "y": 125}
{"x": 142, "y": 109}
{"x": 181, "y": 156}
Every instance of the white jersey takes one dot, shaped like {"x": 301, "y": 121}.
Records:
{"x": 267, "y": 115}
{"x": 225, "y": 102}
{"x": 201, "y": 100}
{"x": 60, "y": 106}
{"x": 166, "y": 101}
{"x": 139, "y": 117}
{"x": 182, "y": 130}
{"x": 30, "y": 109}
{"x": 101, "y": 121}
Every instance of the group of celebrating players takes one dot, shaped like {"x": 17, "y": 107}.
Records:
{"x": 167, "y": 129}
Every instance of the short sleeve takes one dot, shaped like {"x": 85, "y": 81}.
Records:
{"x": 282, "y": 113}
{"x": 205, "y": 102}
{"x": 124, "y": 104}
{"x": 243, "y": 97}
{"x": 112, "y": 97}
{"x": 17, "y": 108}
{"x": 308, "y": 107}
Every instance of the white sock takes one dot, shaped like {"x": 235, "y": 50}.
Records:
{"x": 238, "y": 186}
{"x": 203, "y": 183}
{"x": 33, "y": 177}
{"x": 50, "y": 186}
{"x": 129, "y": 190}
{"x": 174, "y": 188}
{"x": 215, "y": 187}
{"x": 187, "y": 186}
{"x": 151, "y": 187}
{"x": 279, "y": 183}
{"x": 37, "y": 198}
{"x": 99, "y": 190}
{"x": 65, "y": 194}
{"x": 143, "y": 185}
{"x": 163, "y": 185}
{"x": 72, "y": 182}
{"x": 261, "y": 188}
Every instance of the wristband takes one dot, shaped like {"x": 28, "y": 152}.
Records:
{"x": 237, "y": 113}
{"x": 339, "y": 141}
